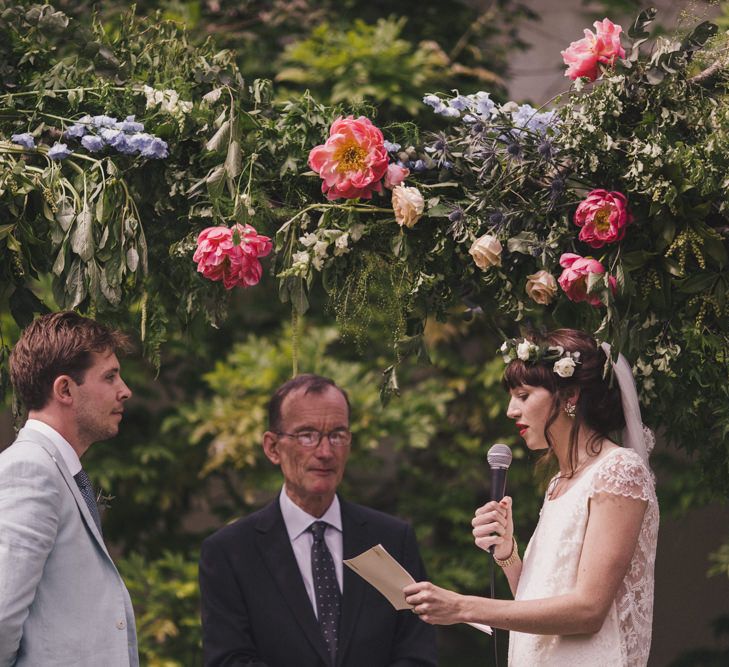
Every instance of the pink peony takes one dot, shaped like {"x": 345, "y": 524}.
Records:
{"x": 231, "y": 255}
{"x": 353, "y": 160}
{"x": 603, "y": 217}
{"x": 574, "y": 278}
{"x": 583, "y": 56}
{"x": 395, "y": 175}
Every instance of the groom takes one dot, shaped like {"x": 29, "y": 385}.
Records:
{"x": 62, "y": 601}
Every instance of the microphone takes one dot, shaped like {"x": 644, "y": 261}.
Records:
{"x": 499, "y": 458}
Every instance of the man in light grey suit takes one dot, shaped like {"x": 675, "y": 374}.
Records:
{"x": 62, "y": 601}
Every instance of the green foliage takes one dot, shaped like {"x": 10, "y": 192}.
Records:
{"x": 167, "y": 608}
{"x": 365, "y": 63}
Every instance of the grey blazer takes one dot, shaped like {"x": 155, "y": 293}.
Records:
{"x": 62, "y": 601}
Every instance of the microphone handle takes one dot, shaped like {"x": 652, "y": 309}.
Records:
{"x": 498, "y": 489}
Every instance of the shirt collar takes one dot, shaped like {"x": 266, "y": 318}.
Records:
{"x": 67, "y": 452}
{"x": 298, "y": 521}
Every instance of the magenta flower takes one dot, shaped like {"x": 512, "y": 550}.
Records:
{"x": 584, "y": 56}
{"x": 575, "y": 275}
{"x": 353, "y": 160}
{"x": 603, "y": 217}
{"x": 231, "y": 255}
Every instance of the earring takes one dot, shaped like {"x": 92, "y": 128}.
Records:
{"x": 570, "y": 409}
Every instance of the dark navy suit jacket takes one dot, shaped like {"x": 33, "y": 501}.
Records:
{"x": 256, "y": 612}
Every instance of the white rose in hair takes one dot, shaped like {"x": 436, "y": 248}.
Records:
{"x": 565, "y": 368}
{"x": 523, "y": 350}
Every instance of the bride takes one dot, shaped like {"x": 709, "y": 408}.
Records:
{"x": 584, "y": 593}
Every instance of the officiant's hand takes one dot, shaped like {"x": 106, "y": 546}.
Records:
{"x": 493, "y": 525}
{"x": 435, "y": 605}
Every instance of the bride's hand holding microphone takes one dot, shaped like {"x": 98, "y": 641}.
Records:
{"x": 493, "y": 528}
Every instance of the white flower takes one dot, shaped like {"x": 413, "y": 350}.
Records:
{"x": 486, "y": 252}
{"x": 320, "y": 249}
{"x": 504, "y": 347}
{"x": 541, "y": 287}
{"x": 301, "y": 257}
{"x": 341, "y": 245}
{"x": 408, "y": 205}
{"x": 565, "y": 367}
{"x": 524, "y": 350}
{"x": 213, "y": 96}
{"x": 308, "y": 240}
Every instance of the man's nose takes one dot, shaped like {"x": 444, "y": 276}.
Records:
{"x": 126, "y": 392}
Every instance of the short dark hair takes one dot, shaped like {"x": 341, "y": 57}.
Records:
{"x": 599, "y": 406}
{"x": 58, "y": 344}
{"x": 311, "y": 384}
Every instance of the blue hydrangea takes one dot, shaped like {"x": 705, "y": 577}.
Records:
{"x": 59, "y": 151}
{"x": 156, "y": 149}
{"x": 450, "y": 112}
{"x": 103, "y": 121}
{"x": 114, "y": 138}
{"x": 129, "y": 125}
{"x": 527, "y": 117}
{"x": 92, "y": 143}
{"x": 390, "y": 147}
{"x": 435, "y": 102}
{"x": 461, "y": 103}
{"x": 77, "y": 130}
{"x": 25, "y": 140}
{"x": 419, "y": 165}
{"x": 485, "y": 106}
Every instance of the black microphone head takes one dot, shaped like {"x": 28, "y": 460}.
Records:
{"x": 499, "y": 456}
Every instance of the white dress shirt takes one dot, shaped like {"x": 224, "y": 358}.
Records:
{"x": 68, "y": 453}
{"x": 297, "y": 526}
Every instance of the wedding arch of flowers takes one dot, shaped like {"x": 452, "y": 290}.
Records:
{"x": 155, "y": 180}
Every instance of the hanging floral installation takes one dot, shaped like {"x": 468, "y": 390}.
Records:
{"x": 605, "y": 209}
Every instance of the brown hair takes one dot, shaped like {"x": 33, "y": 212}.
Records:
{"x": 312, "y": 384}
{"x": 598, "y": 406}
{"x": 58, "y": 344}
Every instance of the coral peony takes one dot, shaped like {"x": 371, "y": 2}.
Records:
{"x": 486, "y": 251}
{"x": 603, "y": 217}
{"x": 541, "y": 287}
{"x": 603, "y": 46}
{"x": 408, "y": 205}
{"x": 353, "y": 160}
{"x": 395, "y": 175}
{"x": 231, "y": 255}
{"x": 574, "y": 278}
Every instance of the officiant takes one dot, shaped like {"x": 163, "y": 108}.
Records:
{"x": 274, "y": 589}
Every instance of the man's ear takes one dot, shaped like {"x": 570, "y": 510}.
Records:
{"x": 270, "y": 447}
{"x": 61, "y": 389}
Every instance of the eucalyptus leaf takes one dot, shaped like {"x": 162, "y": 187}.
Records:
{"x": 82, "y": 236}
{"x": 60, "y": 262}
{"x": 75, "y": 286}
{"x": 233, "y": 160}
{"x": 132, "y": 259}
{"x": 220, "y": 138}
{"x": 65, "y": 214}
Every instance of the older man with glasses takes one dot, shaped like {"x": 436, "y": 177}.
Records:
{"x": 274, "y": 589}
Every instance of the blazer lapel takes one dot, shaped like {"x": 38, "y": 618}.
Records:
{"x": 356, "y": 539}
{"x": 277, "y": 554}
{"x": 41, "y": 440}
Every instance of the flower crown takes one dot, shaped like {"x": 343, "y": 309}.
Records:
{"x": 525, "y": 350}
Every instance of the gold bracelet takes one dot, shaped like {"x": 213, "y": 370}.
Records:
{"x": 513, "y": 556}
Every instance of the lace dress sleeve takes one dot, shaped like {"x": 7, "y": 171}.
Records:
{"x": 624, "y": 474}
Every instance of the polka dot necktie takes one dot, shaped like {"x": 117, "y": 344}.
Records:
{"x": 87, "y": 491}
{"x": 326, "y": 588}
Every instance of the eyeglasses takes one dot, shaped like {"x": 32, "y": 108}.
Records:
{"x": 339, "y": 437}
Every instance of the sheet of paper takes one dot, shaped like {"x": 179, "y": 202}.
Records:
{"x": 382, "y": 571}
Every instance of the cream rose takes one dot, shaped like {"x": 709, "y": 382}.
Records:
{"x": 541, "y": 287}
{"x": 524, "y": 350}
{"x": 564, "y": 367}
{"x": 408, "y": 205}
{"x": 486, "y": 252}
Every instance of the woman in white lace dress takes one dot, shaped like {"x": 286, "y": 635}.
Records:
{"x": 583, "y": 596}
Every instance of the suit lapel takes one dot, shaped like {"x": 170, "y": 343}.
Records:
{"x": 41, "y": 440}
{"x": 356, "y": 539}
{"x": 276, "y": 552}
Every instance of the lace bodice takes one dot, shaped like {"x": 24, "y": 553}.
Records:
{"x": 551, "y": 563}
